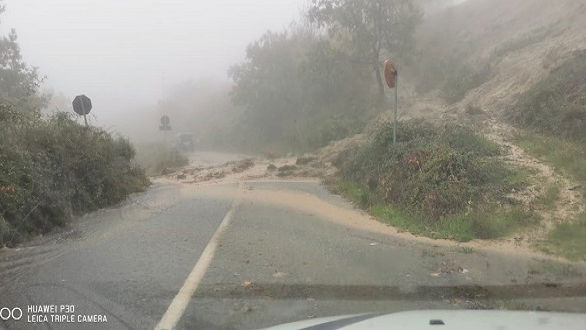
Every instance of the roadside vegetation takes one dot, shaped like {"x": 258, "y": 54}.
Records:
{"x": 556, "y": 106}
{"x": 157, "y": 158}
{"x": 567, "y": 239}
{"x": 553, "y": 117}
{"x": 567, "y": 157}
{"x": 441, "y": 182}
{"x": 52, "y": 168}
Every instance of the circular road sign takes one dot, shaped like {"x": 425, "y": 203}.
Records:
{"x": 82, "y": 105}
{"x": 391, "y": 73}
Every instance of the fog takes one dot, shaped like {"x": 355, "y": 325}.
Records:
{"x": 134, "y": 58}
{"x": 127, "y": 54}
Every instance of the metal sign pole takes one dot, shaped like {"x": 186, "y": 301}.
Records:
{"x": 84, "y": 112}
{"x": 396, "y": 108}
{"x": 392, "y": 77}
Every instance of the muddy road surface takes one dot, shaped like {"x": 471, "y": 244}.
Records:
{"x": 246, "y": 252}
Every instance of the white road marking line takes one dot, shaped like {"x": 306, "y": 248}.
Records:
{"x": 179, "y": 303}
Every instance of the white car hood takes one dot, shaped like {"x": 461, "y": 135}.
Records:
{"x": 451, "y": 319}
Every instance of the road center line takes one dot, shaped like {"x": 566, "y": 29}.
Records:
{"x": 181, "y": 300}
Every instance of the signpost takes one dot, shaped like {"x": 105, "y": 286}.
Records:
{"x": 392, "y": 77}
{"x": 82, "y": 105}
{"x": 165, "y": 125}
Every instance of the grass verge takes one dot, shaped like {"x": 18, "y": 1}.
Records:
{"x": 550, "y": 195}
{"x": 462, "y": 227}
{"x": 568, "y": 239}
{"x": 567, "y": 157}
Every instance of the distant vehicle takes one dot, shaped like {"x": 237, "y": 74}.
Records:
{"x": 186, "y": 142}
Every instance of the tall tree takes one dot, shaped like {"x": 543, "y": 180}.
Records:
{"x": 365, "y": 30}
{"x": 19, "y": 82}
{"x": 267, "y": 84}
{"x": 296, "y": 93}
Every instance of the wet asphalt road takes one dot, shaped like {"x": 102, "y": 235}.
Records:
{"x": 274, "y": 264}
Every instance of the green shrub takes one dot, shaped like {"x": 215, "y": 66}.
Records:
{"x": 497, "y": 222}
{"x": 444, "y": 179}
{"x": 55, "y": 168}
{"x": 557, "y": 104}
{"x": 569, "y": 239}
{"x": 568, "y": 157}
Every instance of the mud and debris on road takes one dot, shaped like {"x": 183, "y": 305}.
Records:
{"x": 213, "y": 167}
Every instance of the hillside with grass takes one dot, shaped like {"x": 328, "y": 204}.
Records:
{"x": 513, "y": 72}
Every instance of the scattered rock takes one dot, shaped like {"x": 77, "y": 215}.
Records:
{"x": 271, "y": 167}
{"x": 462, "y": 270}
{"x": 246, "y": 308}
{"x": 215, "y": 174}
{"x": 279, "y": 275}
{"x": 449, "y": 267}
{"x": 287, "y": 168}
{"x": 242, "y": 165}
{"x": 304, "y": 160}
{"x": 181, "y": 176}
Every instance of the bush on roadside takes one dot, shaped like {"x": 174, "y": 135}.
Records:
{"x": 557, "y": 105}
{"x": 438, "y": 175}
{"x": 53, "y": 169}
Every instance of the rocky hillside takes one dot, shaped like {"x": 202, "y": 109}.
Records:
{"x": 477, "y": 62}
{"x": 514, "y": 43}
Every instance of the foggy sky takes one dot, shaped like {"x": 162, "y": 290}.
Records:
{"x": 124, "y": 53}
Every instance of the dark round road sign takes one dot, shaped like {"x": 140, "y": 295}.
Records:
{"x": 82, "y": 105}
